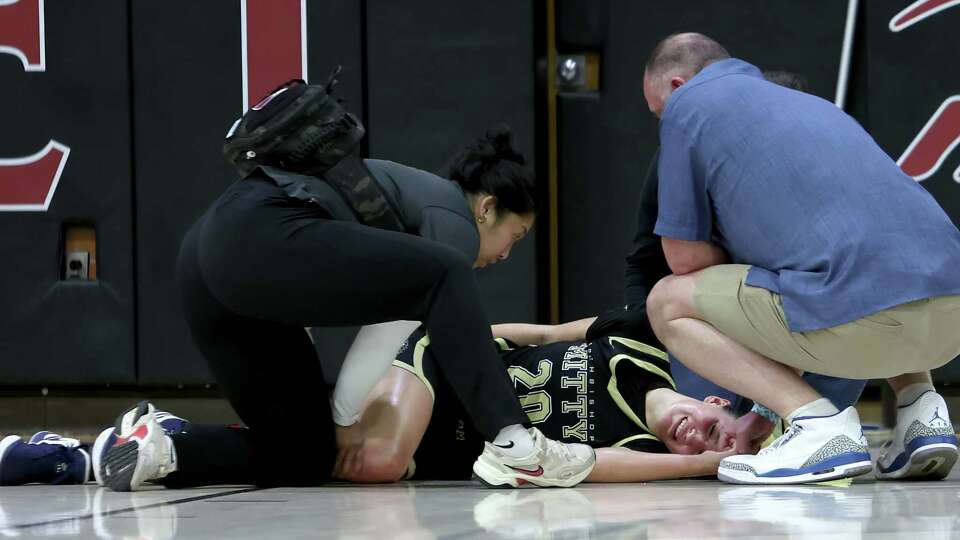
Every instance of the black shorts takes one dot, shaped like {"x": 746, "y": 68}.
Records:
{"x": 450, "y": 444}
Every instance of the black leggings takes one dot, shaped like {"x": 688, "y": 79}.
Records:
{"x": 258, "y": 267}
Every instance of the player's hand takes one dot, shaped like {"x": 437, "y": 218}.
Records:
{"x": 347, "y": 466}
{"x": 710, "y": 460}
{"x": 348, "y": 436}
{"x": 749, "y": 431}
{"x": 349, "y": 445}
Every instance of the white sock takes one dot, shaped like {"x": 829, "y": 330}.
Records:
{"x": 910, "y": 393}
{"x": 820, "y": 407}
{"x": 515, "y": 441}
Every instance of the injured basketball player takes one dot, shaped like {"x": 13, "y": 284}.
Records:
{"x": 600, "y": 382}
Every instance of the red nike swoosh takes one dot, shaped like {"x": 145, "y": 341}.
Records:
{"x": 538, "y": 472}
{"x": 140, "y": 433}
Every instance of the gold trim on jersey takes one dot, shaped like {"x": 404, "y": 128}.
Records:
{"x": 417, "y": 367}
{"x": 647, "y": 349}
{"x": 502, "y": 344}
{"x": 640, "y": 347}
{"x": 640, "y": 363}
{"x": 632, "y": 438}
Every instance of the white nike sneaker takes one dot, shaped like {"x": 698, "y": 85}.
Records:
{"x": 550, "y": 464}
{"x": 814, "y": 449}
{"x": 923, "y": 445}
{"x": 141, "y": 452}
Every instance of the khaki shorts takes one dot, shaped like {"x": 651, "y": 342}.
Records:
{"x": 908, "y": 338}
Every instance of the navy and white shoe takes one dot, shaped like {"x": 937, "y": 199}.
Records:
{"x": 169, "y": 422}
{"x": 47, "y": 459}
{"x": 814, "y": 449}
{"x": 142, "y": 451}
{"x": 48, "y": 437}
{"x": 923, "y": 445}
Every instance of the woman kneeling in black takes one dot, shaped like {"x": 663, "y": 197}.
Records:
{"x": 291, "y": 245}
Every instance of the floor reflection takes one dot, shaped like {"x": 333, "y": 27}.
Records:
{"x": 131, "y": 515}
{"x": 63, "y": 511}
{"x": 702, "y": 510}
{"x": 87, "y": 512}
{"x": 691, "y": 509}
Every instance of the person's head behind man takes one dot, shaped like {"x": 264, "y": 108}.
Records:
{"x": 674, "y": 61}
{"x": 786, "y": 79}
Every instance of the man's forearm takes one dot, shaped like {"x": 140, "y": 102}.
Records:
{"x": 686, "y": 257}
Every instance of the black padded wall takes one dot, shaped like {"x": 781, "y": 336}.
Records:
{"x": 54, "y": 332}
{"x": 143, "y": 92}
{"x": 607, "y": 137}
{"x": 439, "y": 74}
{"x": 187, "y": 92}
{"x": 911, "y": 75}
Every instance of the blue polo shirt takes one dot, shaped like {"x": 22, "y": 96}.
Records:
{"x": 789, "y": 184}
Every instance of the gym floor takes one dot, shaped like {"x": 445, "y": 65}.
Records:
{"x": 679, "y": 509}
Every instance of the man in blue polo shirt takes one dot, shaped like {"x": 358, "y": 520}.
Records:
{"x": 843, "y": 266}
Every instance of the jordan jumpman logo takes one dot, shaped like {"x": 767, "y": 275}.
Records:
{"x": 936, "y": 416}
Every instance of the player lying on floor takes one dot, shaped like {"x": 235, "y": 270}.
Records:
{"x": 598, "y": 382}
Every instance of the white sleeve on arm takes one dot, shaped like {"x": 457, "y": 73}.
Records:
{"x": 371, "y": 353}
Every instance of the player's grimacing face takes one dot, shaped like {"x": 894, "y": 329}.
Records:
{"x": 693, "y": 427}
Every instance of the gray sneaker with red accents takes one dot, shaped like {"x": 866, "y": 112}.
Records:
{"x": 141, "y": 452}
{"x": 550, "y": 464}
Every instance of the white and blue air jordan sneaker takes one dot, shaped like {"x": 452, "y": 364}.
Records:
{"x": 923, "y": 445}
{"x": 814, "y": 449}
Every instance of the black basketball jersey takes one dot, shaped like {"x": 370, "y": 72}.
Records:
{"x": 589, "y": 392}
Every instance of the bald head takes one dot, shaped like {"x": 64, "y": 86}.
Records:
{"x": 686, "y": 53}
{"x": 676, "y": 60}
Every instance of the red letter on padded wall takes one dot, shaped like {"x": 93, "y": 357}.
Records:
{"x": 918, "y": 11}
{"x": 274, "y": 45}
{"x": 21, "y": 32}
{"x": 934, "y": 143}
{"x": 28, "y": 183}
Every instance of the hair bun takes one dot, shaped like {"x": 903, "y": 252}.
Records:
{"x": 494, "y": 147}
{"x": 500, "y": 140}
{"x": 491, "y": 165}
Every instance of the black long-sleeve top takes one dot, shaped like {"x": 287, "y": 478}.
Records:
{"x": 646, "y": 263}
